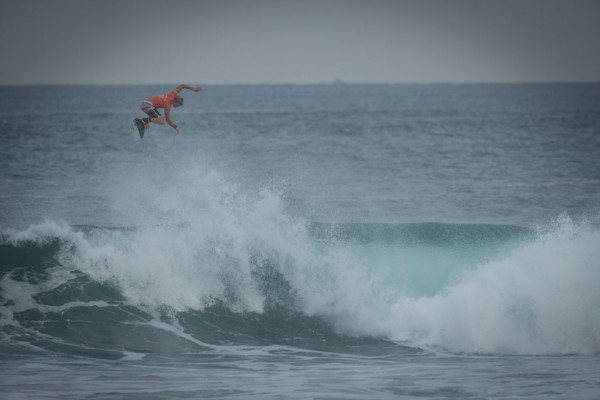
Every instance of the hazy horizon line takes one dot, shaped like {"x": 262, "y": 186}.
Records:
{"x": 330, "y": 83}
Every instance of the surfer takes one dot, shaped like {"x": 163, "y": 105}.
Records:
{"x": 164, "y": 101}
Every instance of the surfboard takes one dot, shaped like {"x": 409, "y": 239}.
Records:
{"x": 137, "y": 128}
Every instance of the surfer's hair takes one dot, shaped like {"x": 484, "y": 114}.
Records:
{"x": 179, "y": 100}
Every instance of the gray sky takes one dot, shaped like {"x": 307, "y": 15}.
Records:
{"x": 299, "y": 41}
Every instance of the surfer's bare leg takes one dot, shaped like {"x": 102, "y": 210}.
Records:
{"x": 156, "y": 120}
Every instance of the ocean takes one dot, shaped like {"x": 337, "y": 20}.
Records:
{"x": 338, "y": 241}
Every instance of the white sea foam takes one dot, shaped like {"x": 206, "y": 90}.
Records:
{"x": 542, "y": 298}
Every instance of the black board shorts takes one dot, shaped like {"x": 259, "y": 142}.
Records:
{"x": 149, "y": 109}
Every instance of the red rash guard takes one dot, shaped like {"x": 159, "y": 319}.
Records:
{"x": 164, "y": 100}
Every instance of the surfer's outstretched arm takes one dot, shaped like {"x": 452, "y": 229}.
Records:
{"x": 188, "y": 87}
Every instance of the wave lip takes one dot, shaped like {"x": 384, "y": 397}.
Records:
{"x": 430, "y": 233}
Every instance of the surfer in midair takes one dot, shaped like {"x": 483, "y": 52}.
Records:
{"x": 164, "y": 101}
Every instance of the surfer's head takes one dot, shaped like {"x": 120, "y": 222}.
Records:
{"x": 178, "y": 101}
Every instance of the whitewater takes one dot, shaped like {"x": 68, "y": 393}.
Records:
{"x": 416, "y": 241}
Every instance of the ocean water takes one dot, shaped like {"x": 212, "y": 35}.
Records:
{"x": 301, "y": 242}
